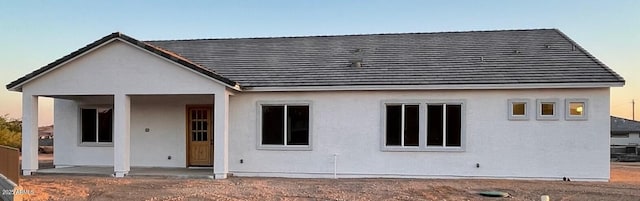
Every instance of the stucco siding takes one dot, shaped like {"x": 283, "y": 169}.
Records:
{"x": 349, "y": 124}
{"x": 120, "y": 68}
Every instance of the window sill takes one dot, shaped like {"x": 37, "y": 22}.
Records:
{"x": 548, "y": 118}
{"x": 422, "y": 149}
{"x": 96, "y": 144}
{"x": 285, "y": 148}
{"x": 576, "y": 118}
{"x": 518, "y": 118}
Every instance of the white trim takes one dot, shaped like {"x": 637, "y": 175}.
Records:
{"x": 511, "y": 116}
{"x": 585, "y": 109}
{"x": 19, "y": 85}
{"x": 285, "y": 147}
{"x": 556, "y": 109}
{"x": 433, "y": 87}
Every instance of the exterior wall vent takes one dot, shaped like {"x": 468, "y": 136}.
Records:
{"x": 356, "y": 63}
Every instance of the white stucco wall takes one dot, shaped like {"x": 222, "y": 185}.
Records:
{"x": 120, "y": 68}
{"x": 348, "y": 124}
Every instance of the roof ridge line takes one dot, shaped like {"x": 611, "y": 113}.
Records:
{"x": 348, "y": 35}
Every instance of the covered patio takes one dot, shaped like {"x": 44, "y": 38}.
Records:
{"x": 141, "y": 98}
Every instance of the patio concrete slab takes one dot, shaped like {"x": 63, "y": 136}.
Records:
{"x": 135, "y": 171}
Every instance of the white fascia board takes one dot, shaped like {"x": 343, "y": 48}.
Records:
{"x": 434, "y": 87}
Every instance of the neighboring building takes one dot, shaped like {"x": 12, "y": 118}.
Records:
{"x": 502, "y": 104}
{"x": 625, "y": 132}
{"x": 625, "y": 139}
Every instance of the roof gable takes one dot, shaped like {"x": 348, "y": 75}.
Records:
{"x": 16, "y": 85}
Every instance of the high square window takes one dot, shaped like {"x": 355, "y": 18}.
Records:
{"x": 518, "y": 109}
{"x": 576, "y": 109}
{"x": 547, "y": 109}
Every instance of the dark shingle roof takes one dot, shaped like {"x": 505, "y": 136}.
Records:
{"x": 498, "y": 58}
{"x": 622, "y": 125}
{"x": 541, "y": 56}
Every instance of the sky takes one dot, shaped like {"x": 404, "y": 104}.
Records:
{"x": 35, "y": 33}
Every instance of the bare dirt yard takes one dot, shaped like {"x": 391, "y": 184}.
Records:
{"x": 624, "y": 185}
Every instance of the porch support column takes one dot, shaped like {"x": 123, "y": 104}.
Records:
{"x": 29, "y": 134}
{"x": 121, "y": 134}
{"x": 221, "y": 135}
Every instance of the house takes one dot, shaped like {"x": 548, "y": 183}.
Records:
{"x": 625, "y": 138}
{"x": 625, "y": 131}
{"x": 529, "y": 104}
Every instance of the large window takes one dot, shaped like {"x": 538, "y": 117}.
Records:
{"x": 423, "y": 126}
{"x": 96, "y": 125}
{"x": 284, "y": 125}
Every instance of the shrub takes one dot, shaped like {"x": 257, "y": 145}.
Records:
{"x": 10, "y": 132}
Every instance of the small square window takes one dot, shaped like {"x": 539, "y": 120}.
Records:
{"x": 518, "y": 109}
{"x": 547, "y": 109}
{"x": 576, "y": 109}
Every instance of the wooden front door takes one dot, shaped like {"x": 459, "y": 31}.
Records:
{"x": 199, "y": 136}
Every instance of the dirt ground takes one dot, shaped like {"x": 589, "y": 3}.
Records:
{"x": 624, "y": 185}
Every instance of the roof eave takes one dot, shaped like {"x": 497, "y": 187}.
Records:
{"x": 435, "y": 87}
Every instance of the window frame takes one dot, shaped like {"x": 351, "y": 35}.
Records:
{"x": 513, "y": 117}
{"x": 285, "y": 147}
{"x": 556, "y": 109}
{"x": 97, "y": 143}
{"x": 585, "y": 109}
{"x": 422, "y": 145}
